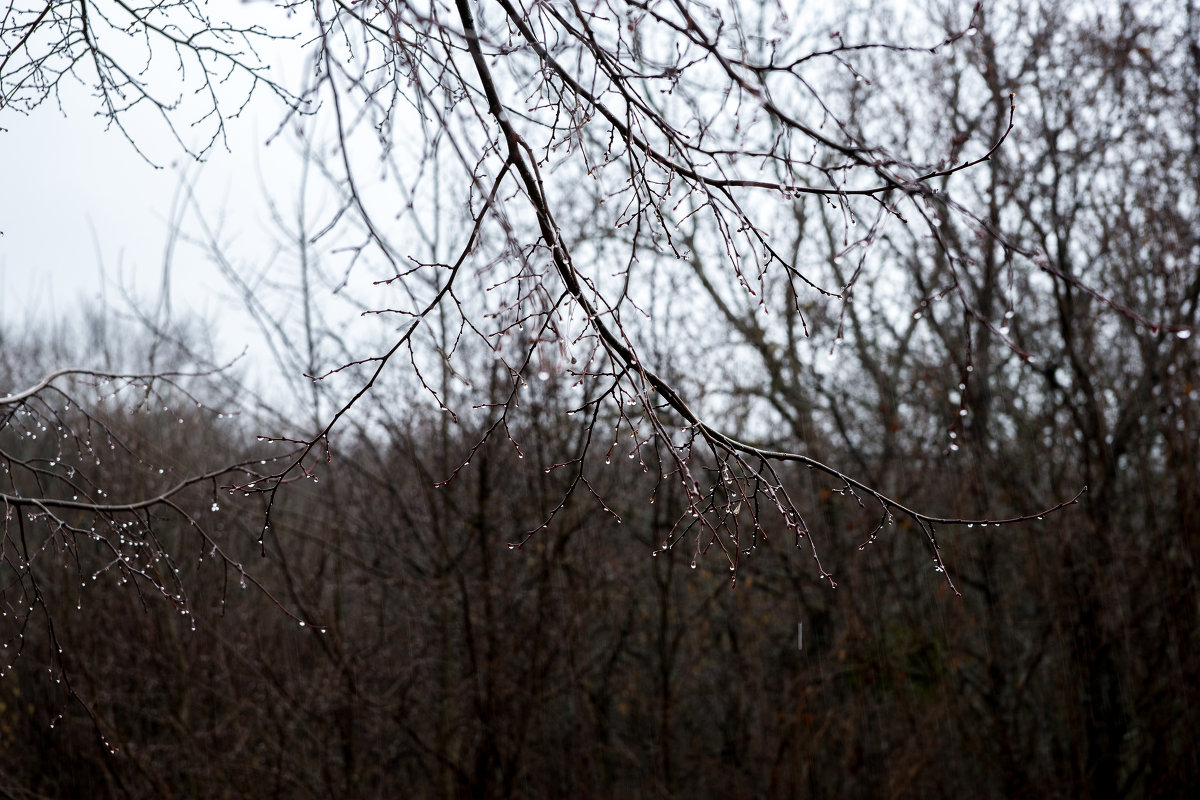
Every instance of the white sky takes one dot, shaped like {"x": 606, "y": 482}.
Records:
{"x": 86, "y": 219}
{"x": 83, "y": 214}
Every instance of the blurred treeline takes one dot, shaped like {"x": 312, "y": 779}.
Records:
{"x": 437, "y": 662}
{"x": 583, "y": 666}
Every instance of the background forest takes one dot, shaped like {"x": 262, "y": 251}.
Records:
{"x": 359, "y": 624}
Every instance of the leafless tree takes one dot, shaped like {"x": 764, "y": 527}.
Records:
{"x": 597, "y": 149}
{"x": 568, "y": 189}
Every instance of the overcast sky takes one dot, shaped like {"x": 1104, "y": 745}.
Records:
{"x": 83, "y": 214}
{"x": 86, "y": 219}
